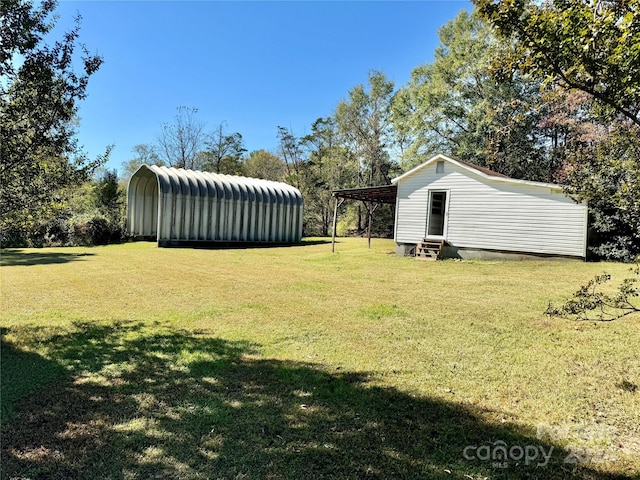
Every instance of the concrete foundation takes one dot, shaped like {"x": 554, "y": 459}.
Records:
{"x": 405, "y": 249}
{"x": 467, "y": 253}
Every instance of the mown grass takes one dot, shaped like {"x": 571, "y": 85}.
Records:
{"x": 130, "y": 361}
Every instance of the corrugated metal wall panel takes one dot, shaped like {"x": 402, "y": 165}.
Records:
{"x": 176, "y": 205}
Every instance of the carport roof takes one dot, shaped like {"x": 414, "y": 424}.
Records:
{"x": 378, "y": 194}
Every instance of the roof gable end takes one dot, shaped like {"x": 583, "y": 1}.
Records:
{"x": 473, "y": 169}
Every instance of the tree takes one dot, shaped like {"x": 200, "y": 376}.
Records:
{"x": 364, "y": 123}
{"x": 38, "y": 114}
{"x": 22, "y": 29}
{"x": 181, "y": 142}
{"x": 363, "y": 120}
{"x": 223, "y": 152}
{"x": 570, "y": 126}
{"x": 108, "y": 195}
{"x": 606, "y": 175}
{"x": 93, "y": 214}
{"x": 265, "y": 165}
{"x": 453, "y": 105}
{"x": 291, "y": 151}
{"x": 145, "y": 154}
{"x": 589, "y": 45}
{"x": 330, "y": 166}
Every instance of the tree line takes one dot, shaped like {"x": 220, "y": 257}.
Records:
{"x": 539, "y": 91}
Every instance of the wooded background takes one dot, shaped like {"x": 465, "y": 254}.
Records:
{"x": 545, "y": 91}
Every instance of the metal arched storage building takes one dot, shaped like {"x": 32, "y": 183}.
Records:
{"x": 175, "y": 206}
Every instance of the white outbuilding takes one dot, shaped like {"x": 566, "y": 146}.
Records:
{"x": 475, "y": 212}
{"x": 176, "y": 206}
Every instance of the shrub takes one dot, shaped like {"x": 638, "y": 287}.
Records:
{"x": 56, "y": 232}
{"x": 95, "y": 230}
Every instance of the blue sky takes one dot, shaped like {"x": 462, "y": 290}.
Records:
{"x": 253, "y": 65}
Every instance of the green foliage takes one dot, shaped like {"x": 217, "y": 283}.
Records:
{"x": 22, "y": 29}
{"x": 92, "y": 214}
{"x": 145, "y": 154}
{"x": 363, "y": 121}
{"x": 591, "y": 303}
{"x": 94, "y": 229}
{"x": 265, "y": 165}
{"x": 370, "y": 144}
{"x": 606, "y": 175}
{"x": 38, "y": 110}
{"x": 185, "y": 143}
{"x": 455, "y": 106}
{"x": 593, "y": 46}
{"x": 330, "y": 166}
{"x": 347, "y": 219}
{"x": 317, "y": 164}
{"x": 224, "y": 153}
{"x": 108, "y": 196}
{"x": 106, "y": 221}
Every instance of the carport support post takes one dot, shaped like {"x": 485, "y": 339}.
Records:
{"x": 335, "y": 225}
{"x": 369, "y": 225}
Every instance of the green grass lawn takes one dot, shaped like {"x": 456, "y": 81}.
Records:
{"x": 135, "y": 362}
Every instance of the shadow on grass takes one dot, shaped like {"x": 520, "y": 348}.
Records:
{"x": 11, "y": 257}
{"x": 239, "y": 245}
{"x": 22, "y": 374}
{"x": 149, "y": 402}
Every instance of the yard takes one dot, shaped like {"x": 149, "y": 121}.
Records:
{"x": 135, "y": 362}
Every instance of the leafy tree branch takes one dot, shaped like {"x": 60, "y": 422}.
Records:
{"x": 591, "y": 303}
{"x": 40, "y": 157}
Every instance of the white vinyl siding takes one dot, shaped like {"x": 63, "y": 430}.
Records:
{"x": 488, "y": 213}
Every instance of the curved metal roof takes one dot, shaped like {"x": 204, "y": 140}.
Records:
{"x": 207, "y": 184}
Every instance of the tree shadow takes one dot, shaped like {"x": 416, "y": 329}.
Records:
{"x": 11, "y": 258}
{"x": 150, "y": 402}
{"x": 239, "y": 245}
{"x": 22, "y": 374}
{"x": 315, "y": 241}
